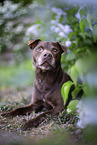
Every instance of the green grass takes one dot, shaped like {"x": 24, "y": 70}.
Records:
{"x": 17, "y": 75}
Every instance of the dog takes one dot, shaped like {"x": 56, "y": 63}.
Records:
{"x": 49, "y": 78}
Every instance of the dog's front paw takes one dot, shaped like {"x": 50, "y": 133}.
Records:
{"x": 30, "y": 124}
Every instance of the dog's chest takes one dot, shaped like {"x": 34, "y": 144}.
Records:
{"x": 44, "y": 85}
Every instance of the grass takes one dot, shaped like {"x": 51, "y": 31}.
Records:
{"x": 17, "y": 75}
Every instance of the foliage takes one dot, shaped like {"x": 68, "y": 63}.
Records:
{"x": 73, "y": 27}
{"x": 66, "y": 89}
{"x": 24, "y": 2}
{"x": 65, "y": 94}
{"x": 10, "y": 26}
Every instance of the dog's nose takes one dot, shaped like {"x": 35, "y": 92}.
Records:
{"x": 47, "y": 55}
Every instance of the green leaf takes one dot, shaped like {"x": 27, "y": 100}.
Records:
{"x": 72, "y": 106}
{"x": 95, "y": 33}
{"x": 89, "y": 19}
{"x": 80, "y": 67}
{"x": 87, "y": 24}
{"x": 81, "y": 12}
{"x": 74, "y": 73}
{"x": 71, "y": 35}
{"x": 76, "y": 91}
{"x": 70, "y": 56}
{"x": 82, "y": 25}
{"x": 65, "y": 90}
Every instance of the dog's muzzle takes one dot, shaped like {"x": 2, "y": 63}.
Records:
{"x": 46, "y": 61}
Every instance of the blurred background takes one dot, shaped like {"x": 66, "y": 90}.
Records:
{"x": 73, "y": 23}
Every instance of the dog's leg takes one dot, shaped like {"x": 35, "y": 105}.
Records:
{"x": 19, "y": 111}
{"x": 24, "y": 110}
{"x": 39, "y": 119}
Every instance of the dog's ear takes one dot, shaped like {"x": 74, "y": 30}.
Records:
{"x": 33, "y": 43}
{"x": 63, "y": 47}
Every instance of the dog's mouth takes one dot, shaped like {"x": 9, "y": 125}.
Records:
{"x": 45, "y": 63}
{"x": 46, "y": 66}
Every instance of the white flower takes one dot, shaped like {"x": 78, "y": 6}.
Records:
{"x": 19, "y": 28}
{"x": 52, "y": 28}
{"x": 8, "y": 6}
{"x": 68, "y": 43}
{"x": 32, "y": 30}
{"x": 61, "y": 26}
{"x": 62, "y": 34}
{"x": 67, "y": 29}
{"x": 14, "y": 7}
{"x": 58, "y": 11}
{"x": 53, "y": 22}
{"x": 62, "y": 29}
{"x": 55, "y": 29}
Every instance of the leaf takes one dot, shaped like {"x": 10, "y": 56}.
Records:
{"x": 82, "y": 25}
{"x": 65, "y": 90}
{"x": 87, "y": 24}
{"x": 71, "y": 35}
{"x": 81, "y": 12}
{"x": 70, "y": 56}
{"x": 80, "y": 67}
{"x": 95, "y": 33}
{"x": 72, "y": 106}
{"x": 76, "y": 91}
{"x": 74, "y": 73}
{"x": 89, "y": 19}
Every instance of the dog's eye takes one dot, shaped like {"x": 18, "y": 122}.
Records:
{"x": 55, "y": 50}
{"x": 40, "y": 49}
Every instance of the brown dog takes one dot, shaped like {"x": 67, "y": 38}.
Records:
{"x": 49, "y": 78}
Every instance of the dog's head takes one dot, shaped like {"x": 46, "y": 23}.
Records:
{"x": 46, "y": 55}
